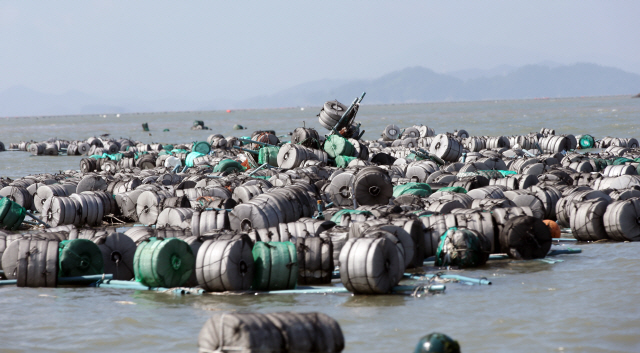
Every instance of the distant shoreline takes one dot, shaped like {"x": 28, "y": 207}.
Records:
{"x": 541, "y": 99}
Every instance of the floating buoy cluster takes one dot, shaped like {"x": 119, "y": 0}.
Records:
{"x": 283, "y": 213}
{"x": 254, "y": 213}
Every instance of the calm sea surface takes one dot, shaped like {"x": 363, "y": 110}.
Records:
{"x": 587, "y": 303}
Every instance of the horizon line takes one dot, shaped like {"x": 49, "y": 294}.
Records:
{"x": 630, "y": 96}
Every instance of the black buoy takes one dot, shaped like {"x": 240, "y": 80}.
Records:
{"x": 437, "y": 343}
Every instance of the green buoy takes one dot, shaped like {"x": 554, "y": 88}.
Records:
{"x": 275, "y": 266}
{"x": 11, "y": 214}
{"x": 163, "y": 262}
{"x": 201, "y": 146}
{"x": 269, "y": 154}
{"x": 587, "y": 141}
{"x": 80, "y": 257}
{"x": 228, "y": 166}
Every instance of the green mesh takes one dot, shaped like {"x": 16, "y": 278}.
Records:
{"x": 269, "y": 155}
{"x": 414, "y": 157}
{"x": 458, "y": 189}
{"x": 343, "y": 161}
{"x": 163, "y": 262}
{"x": 472, "y": 255}
{"x": 138, "y": 155}
{"x": 600, "y": 163}
{"x": 337, "y": 217}
{"x": 421, "y": 193}
{"x": 97, "y": 156}
{"x": 622, "y": 161}
{"x": 336, "y": 145}
{"x": 229, "y": 166}
{"x": 79, "y": 257}
{"x": 439, "y": 256}
{"x": 11, "y": 214}
{"x": 5, "y": 206}
{"x": 506, "y": 172}
{"x": 178, "y": 150}
{"x": 418, "y": 189}
{"x": 113, "y": 157}
{"x": 190, "y": 157}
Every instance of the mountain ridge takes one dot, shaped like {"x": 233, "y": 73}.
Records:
{"x": 409, "y": 85}
{"x": 422, "y": 85}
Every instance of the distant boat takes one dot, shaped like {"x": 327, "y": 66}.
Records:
{"x": 636, "y": 96}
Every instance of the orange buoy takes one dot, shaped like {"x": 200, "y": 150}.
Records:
{"x": 228, "y": 110}
{"x": 553, "y": 227}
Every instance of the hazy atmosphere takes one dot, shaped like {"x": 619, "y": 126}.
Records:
{"x": 159, "y": 55}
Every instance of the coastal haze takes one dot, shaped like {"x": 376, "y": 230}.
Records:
{"x": 115, "y": 56}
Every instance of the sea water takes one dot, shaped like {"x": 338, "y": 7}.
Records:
{"x": 586, "y": 303}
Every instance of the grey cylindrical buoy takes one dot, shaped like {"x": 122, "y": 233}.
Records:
{"x": 276, "y": 332}
{"x": 622, "y": 220}
{"x": 315, "y": 260}
{"x": 225, "y": 265}
{"x": 32, "y": 262}
{"x": 369, "y": 265}
{"x": 525, "y": 238}
{"x": 446, "y": 148}
{"x": 117, "y": 252}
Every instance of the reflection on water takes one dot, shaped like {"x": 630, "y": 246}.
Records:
{"x": 358, "y": 301}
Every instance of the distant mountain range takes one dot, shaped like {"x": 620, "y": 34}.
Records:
{"x": 410, "y": 85}
{"x": 418, "y": 84}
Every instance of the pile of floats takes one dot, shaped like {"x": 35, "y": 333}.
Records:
{"x": 256, "y": 214}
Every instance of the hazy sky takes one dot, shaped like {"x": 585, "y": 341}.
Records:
{"x": 204, "y": 50}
